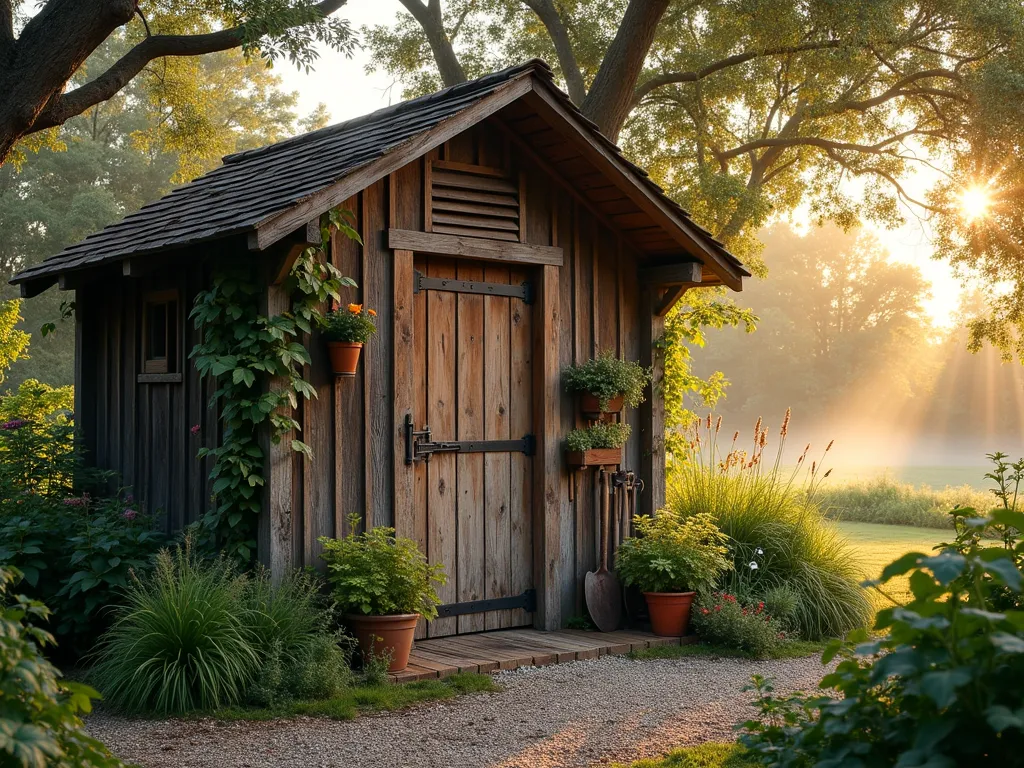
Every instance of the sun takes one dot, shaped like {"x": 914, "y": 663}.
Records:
{"x": 975, "y": 202}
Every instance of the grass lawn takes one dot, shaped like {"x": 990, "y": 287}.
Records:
{"x": 704, "y": 756}
{"x": 363, "y": 699}
{"x": 879, "y": 545}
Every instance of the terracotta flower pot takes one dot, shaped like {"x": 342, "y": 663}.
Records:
{"x": 670, "y": 612}
{"x": 344, "y": 356}
{"x": 378, "y": 635}
{"x": 590, "y": 405}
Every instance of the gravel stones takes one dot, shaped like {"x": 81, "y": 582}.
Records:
{"x": 587, "y": 713}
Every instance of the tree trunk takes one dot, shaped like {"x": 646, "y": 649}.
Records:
{"x": 610, "y": 96}
{"x": 431, "y": 21}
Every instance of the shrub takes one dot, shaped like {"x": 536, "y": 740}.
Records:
{"x": 377, "y": 574}
{"x": 603, "y": 434}
{"x": 941, "y": 688}
{"x": 39, "y": 712}
{"x": 721, "y": 619}
{"x": 606, "y": 377}
{"x": 672, "y": 555}
{"x": 182, "y": 642}
{"x": 778, "y": 535}
{"x": 884, "y": 500}
{"x": 353, "y": 324}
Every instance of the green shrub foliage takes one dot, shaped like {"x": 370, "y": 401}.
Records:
{"x": 777, "y": 533}
{"x": 376, "y": 574}
{"x": 40, "y": 725}
{"x": 668, "y": 554}
{"x": 721, "y": 619}
{"x": 941, "y": 688}
{"x": 606, "y": 377}
{"x": 603, "y": 434}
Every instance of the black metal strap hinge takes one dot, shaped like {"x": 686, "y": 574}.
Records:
{"x": 418, "y": 444}
{"x": 421, "y": 282}
{"x": 527, "y": 601}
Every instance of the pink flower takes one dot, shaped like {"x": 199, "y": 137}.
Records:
{"x": 195, "y": 429}
{"x": 13, "y": 424}
{"x": 75, "y": 502}
{"x": 129, "y": 514}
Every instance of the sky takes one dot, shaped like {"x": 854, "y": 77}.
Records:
{"x": 349, "y": 91}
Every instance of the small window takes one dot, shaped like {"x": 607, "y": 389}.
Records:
{"x": 160, "y": 332}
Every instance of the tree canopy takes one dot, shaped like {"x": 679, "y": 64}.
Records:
{"x": 44, "y": 46}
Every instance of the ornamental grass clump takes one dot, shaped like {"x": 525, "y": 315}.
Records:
{"x": 353, "y": 324}
{"x": 602, "y": 434}
{"x": 606, "y": 377}
{"x": 778, "y": 534}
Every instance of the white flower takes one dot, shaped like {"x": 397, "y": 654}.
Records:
{"x": 758, "y": 551}
{"x": 752, "y": 566}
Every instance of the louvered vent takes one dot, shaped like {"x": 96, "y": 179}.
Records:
{"x": 473, "y": 201}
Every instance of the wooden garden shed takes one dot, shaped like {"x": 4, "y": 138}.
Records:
{"x": 504, "y": 239}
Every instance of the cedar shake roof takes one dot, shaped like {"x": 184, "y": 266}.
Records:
{"x": 268, "y": 192}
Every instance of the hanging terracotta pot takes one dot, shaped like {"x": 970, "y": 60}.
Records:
{"x": 669, "y": 612}
{"x": 382, "y": 635}
{"x": 344, "y": 356}
{"x": 590, "y": 405}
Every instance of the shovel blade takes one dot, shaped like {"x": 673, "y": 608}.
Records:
{"x": 604, "y": 600}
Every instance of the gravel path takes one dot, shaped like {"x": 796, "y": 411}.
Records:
{"x": 581, "y": 714}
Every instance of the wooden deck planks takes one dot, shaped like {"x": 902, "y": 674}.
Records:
{"x": 514, "y": 648}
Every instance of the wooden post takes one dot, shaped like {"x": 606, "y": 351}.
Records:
{"x": 547, "y": 560}
{"x": 276, "y": 519}
{"x": 405, "y": 476}
{"x": 652, "y": 412}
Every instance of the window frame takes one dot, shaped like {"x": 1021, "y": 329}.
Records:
{"x": 168, "y": 367}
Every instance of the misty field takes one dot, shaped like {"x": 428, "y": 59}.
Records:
{"x": 879, "y": 545}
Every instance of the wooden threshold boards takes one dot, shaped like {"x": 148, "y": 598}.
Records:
{"x": 473, "y": 247}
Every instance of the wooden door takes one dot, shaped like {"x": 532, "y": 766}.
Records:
{"x": 473, "y": 384}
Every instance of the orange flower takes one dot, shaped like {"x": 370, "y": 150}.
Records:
{"x": 355, "y": 309}
{"x": 371, "y": 312}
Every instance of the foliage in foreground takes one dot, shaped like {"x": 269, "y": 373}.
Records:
{"x": 941, "y": 689}
{"x": 709, "y": 755}
{"x": 197, "y": 635}
{"x": 886, "y": 501}
{"x": 778, "y": 535}
{"x": 39, "y": 713}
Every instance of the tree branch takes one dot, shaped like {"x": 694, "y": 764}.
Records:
{"x": 548, "y": 14}
{"x": 883, "y": 174}
{"x": 431, "y": 20}
{"x": 669, "y": 78}
{"x": 6, "y": 30}
{"x": 827, "y": 144}
{"x": 65, "y": 106}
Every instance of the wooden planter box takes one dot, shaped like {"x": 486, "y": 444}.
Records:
{"x": 596, "y": 457}
{"x": 590, "y": 406}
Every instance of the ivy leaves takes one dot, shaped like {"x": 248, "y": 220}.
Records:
{"x": 257, "y": 362}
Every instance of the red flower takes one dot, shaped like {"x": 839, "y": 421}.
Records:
{"x": 705, "y": 611}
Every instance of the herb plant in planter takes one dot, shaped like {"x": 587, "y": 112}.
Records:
{"x": 605, "y": 383}
{"x": 383, "y": 584}
{"x": 599, "y": 445}
{"x": 346, "y": 330}
{"x": 670, "y": 560}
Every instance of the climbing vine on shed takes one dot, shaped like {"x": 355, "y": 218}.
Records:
{"x": 243, "y": 350}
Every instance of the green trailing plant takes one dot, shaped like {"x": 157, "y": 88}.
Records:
{"x": 376, "y": 573}
{"x": 242, "y": 349}
{"x": 940, "y": 688}
{"x": 352, "y": 324}
{"x": 603, "y": 434}
{"x": 671, "y": 555}
{"x": 607, "y": 377}
{"x": 40, "y": 723}
{"x": 777, "y": 533}
{"x": 724, "y": 621}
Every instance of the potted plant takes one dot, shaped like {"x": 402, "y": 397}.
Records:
{"x": 599, "y": 445}
{"x": 346, "y": 330}
{"x": 605, "y": 383}
{"x": 670, "y": 560}
{"x": 383, "y": 584}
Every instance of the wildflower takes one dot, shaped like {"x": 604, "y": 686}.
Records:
{"x": 829, "y": 446}
{"x": 129, "y": 514}
{"x": 785, "y": 423}
{"x": 371, "y": 312}
{"x": 355, "y": 309}
{"x": 753, "y": 566}
{"x": 75, "y": 501}
{"x": 718, "y": 608}
{"x": 735, "y": 435}
{"x": 705, "y": 611}
{"x": 129, "y": 499}
{"x": 718, "y": 425}
{"x": 13, "y": 424}
{"x": 758, "y": 551}
{"x": 195, "y": 429}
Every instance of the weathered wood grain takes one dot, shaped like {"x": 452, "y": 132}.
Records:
{"x": 474, "y": 248}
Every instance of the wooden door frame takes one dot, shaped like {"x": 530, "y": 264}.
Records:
{"x": 547, "y": 566}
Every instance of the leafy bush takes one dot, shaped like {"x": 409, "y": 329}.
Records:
{"x": 672, "y": 555}
{"x": 377, "y": 574}
{"x": 39, "y": 712}
{"x": 38, "y": 402}
{"x": 353, "y": 324}
{"x": 606, "y": 377}
{"x": 610, "y": 434}
{"x": 886, "y": 501}
{"x": 778, "y": 535}
{"x": 722, "y": 620}
{"x": 941, "y": 688}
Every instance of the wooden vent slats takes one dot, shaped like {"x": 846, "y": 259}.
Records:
{"x": 473, "y": 201}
